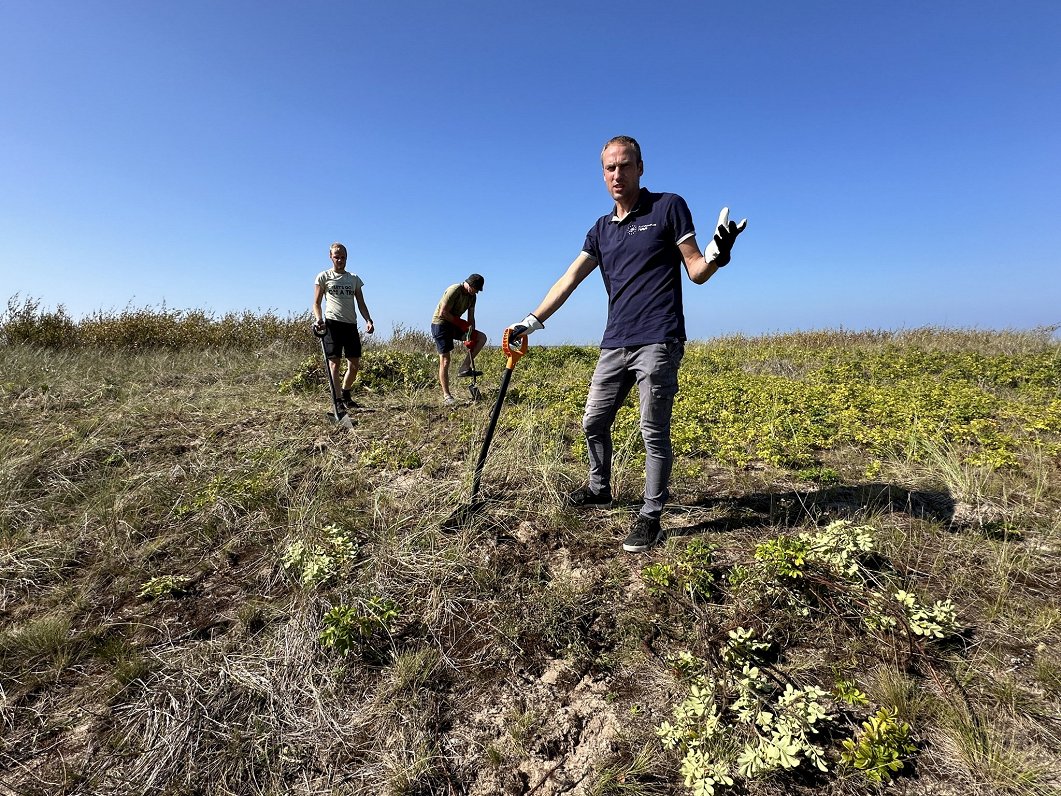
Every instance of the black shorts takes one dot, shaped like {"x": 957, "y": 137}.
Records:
{"x": 342, "y": 339}
{"x": 444, "y": 334}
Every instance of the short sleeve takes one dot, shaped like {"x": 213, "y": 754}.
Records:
{"x": 679, "y": 219}
{"x": 591, "y": 246}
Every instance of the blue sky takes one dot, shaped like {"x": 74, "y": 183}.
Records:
{"x": 899, "y": 163}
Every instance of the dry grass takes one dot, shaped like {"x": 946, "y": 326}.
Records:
{"x": 525, "y": 654}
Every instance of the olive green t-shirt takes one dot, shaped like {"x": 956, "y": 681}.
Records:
{"x": 456, "y": 300}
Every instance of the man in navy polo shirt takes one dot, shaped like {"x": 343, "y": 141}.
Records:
{"x": 640, "y": 247}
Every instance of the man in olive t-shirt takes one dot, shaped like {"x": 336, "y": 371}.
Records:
{"x": 447, "y": 326}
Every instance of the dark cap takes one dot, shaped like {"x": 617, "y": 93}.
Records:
{"x": 476, "y": 281}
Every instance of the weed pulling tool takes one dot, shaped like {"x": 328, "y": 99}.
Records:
{"x": 469, "y": 343}
{"x": 462, "y": 515}
{"x": 340, "y": 417}
{"x": 473, "y": 388}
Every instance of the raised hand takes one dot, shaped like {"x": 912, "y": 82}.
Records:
{"x": 718, "y": 250}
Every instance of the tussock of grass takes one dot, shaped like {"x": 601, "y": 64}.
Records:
{"x": 157, "y": 633}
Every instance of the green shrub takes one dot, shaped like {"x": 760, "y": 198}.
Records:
{"x": 737, "y": 722}
{"x": 164, "y": 586}
{"x": 880, "y": 749}
{"x": 316, "y": 563}
{"x": 689, "y": 573}
{"x": 26, "y": 323}
{"x": 310, "y": 375}
{"x": 347, "y": 627}
{"x": 386, "y": 369}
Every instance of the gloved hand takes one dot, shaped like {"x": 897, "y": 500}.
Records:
{"x": 726, "y": 233}
{"x": 525, "y": 327}
{"x": 319, "y": 326}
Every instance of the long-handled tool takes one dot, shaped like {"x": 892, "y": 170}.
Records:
{"x": 473, "y": 388}
{"x": 469, "y": 343}
{"x": 340, "y": 417}
{"x": 463, "y": 515}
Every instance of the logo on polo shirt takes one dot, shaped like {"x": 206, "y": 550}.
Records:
{"x": 633, "y": 229}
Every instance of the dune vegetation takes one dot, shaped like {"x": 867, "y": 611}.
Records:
{"x": 207, "y": 587}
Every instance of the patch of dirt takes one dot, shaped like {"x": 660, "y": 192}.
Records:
{"x": 552, "y": 733}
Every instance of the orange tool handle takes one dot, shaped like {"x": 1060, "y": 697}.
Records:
{"x": 513, "y": 354}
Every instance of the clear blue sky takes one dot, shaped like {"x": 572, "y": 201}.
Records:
{"x": 899, "y": 162}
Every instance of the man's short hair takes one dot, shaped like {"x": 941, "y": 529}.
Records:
{"x": 337, "y": 247}
{"x": 623, "y": 140}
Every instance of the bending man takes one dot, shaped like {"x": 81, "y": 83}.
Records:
{"x": 447, "y": 326}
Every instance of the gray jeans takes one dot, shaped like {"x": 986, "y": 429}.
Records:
{"x": 654, "y": 368}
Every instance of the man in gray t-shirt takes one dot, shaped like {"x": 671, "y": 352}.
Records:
{"x": 341, "y": 291}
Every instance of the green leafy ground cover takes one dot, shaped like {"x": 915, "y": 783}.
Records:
{"x": 206, "y": 587}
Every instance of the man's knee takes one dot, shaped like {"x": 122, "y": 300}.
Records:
{"x": 657, "y": 445}
{"x": 656, "y": 429}
{"x": 596, "y": 424}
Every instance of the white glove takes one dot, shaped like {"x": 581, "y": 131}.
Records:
{"x": 525, "y": 327}
{"x": 726, "y": 233}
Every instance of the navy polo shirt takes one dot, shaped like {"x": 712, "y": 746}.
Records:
{"x": 641, "y": 266}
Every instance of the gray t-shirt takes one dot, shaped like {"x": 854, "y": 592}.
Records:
{"x": 339, "y": 295}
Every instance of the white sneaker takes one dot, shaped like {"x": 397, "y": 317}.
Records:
{"x": 449, "y": 400}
